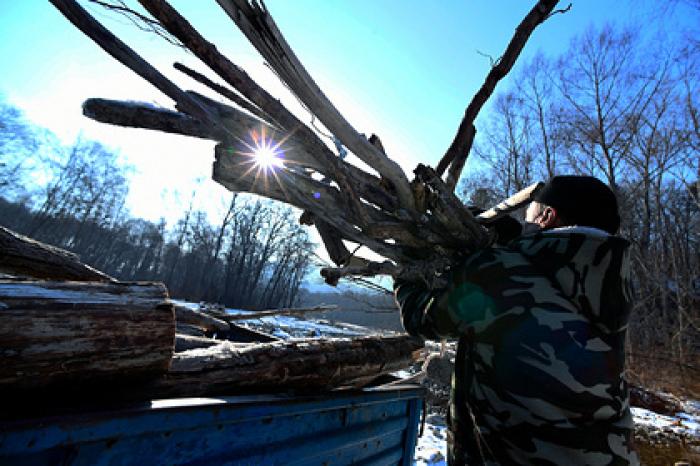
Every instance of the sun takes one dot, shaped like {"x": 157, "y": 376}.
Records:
{"x": 265, "y": 153}
{"x": 268, "y": 157}
{"x": 263, "y": 158}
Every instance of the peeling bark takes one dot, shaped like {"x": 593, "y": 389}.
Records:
{"x": 67, "y": 332}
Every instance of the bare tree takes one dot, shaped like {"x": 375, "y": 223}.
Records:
{"x": 182, "y": 231}
{"x": 534, "y": 85}
{"x": 604, "y": 99}
{"x": 89, "y": 184}
{"x": 509, "y": 149}
{"x": 206, "y": 284}
{"x": 18, "y": 142}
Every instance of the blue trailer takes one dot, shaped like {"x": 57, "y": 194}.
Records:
{"x": 369, "y": 427}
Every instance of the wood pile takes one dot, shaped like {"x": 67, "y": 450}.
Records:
{"x": 91, "y": 336}
{"x": 418, "y": 225}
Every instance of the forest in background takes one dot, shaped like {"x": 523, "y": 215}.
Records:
{"x": 621, "y": 106}
{"x": 254, "y": 257}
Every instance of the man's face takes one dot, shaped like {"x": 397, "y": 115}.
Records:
{"x": 533, "y": 214}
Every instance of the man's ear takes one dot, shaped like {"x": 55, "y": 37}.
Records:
{"x": 549, "y": 218}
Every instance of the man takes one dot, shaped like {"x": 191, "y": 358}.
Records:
{"x": 541, "y": 325}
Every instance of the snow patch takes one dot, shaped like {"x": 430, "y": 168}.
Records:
{"x": 431, "y": 449}
{"x": 290, "y": 327}
{"x": 682, "y": 423}
{"x": 287, "y": 327}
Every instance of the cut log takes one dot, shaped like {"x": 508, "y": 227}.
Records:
{"x": 656, "y": 402}
{"x": 190, "y": 330}
{"x": 22, "y": 256}
{"x": 239, "y": 333}
{"x": 281, "y": 312}
{"x": 229, "y": 368}
{"x": 233, "y": 332}
{"x": 56, "y": 332}
{"x": 184, "y": 342}
{"x": 514, "y": 202}
{"x": 185, "y": 315}
{"x": 311, "y": 365}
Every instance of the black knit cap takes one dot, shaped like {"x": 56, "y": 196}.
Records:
{"x": 582, "y": 201}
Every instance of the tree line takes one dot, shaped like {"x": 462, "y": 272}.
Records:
{"x": 624, "y": 108}
{"x": 255, "y": 256}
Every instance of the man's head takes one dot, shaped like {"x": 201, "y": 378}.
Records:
{"x": 574, "y": 200}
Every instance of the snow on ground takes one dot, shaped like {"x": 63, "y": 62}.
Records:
{"x": 431, "y": 449}
{"x": 686, "y": 423}
{"x": 288, "y": 327}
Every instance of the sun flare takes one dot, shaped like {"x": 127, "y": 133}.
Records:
{"x": 265, "y": 153}
{"x": 264, "y": 159}
{"x": 268, "y": 158}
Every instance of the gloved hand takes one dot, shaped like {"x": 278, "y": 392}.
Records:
{"x": 506, "y": 228}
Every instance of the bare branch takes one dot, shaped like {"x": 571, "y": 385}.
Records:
{"x": 333, "y": 275}
{"x": 142, "y": 22}
{"x": 421, "y": 227}
{"x": 450, "y": 211}
{"x": 514, "y": 202}
{"x": 331, "y": 237}
{"x": 229, "y": 94}
{"x": 430, "y": 271}
{"x": 457, "y": 164}
{"x": 260, "y": 29}
{"x": 559, "y": 11}
{"x": 122, "y": 53}
{"x": 536, "y": 16}
{"x": 144, "y": 115}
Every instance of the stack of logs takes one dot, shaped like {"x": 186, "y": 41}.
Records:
{"x": 68, "y": 328}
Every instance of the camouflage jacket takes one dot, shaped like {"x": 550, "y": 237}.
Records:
{"x": 538, "y": 373}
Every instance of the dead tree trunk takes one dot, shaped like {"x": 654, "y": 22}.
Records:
{"x": 22, "y": 256}
{"x": 310, "y": 364}
{"x": 61, "y": 332}
{"x": 418, "y": 225}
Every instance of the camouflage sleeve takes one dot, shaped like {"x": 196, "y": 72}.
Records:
{"x": 450, "y": 311}
{"x": 416, "y": 302}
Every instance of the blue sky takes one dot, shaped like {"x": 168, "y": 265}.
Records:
{"x": 402, "y": 69}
